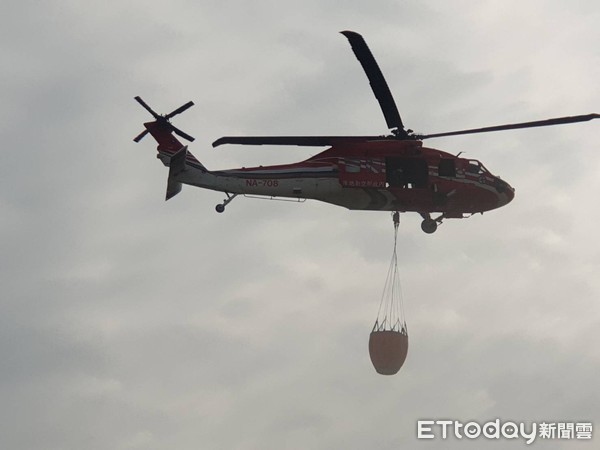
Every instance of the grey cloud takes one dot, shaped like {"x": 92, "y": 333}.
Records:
{"x": 128, "y": 322}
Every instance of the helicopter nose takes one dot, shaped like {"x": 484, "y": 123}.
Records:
{"x": 506, "y": 192}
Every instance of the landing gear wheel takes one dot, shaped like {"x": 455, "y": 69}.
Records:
{"x": 221, "y": 206}
{"x": 429, "y": 226}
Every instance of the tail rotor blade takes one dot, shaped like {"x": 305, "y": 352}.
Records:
{"x": 146, "y": 107}
{"x": 180, "y": 110}
{"x": 140, "y": 136}
{"x": 163, "y": 121}
{"x": 178, "y": 132}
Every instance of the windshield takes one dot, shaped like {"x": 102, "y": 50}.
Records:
{"x": 476, "y": 167}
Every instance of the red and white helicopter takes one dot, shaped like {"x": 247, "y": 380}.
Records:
{"x": 384, "y": 173}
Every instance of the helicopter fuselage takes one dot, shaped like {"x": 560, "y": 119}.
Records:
{"x": 379, "y": 175}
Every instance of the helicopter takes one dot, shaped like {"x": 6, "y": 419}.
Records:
{"x": 392, "y": 172}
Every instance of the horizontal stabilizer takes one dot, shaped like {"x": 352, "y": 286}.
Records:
{"x": 176, "y": 166}
{"x": 173, "y": 188}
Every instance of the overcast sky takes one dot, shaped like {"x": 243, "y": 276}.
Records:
{"x": 131, "y": 323}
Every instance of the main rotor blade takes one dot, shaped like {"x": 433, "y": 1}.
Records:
{"x": 146, "y": 107}
{"x": 180, "y": 109}
{"x": 306, "y": 141}
{"x": 514, "y": 126}
{"x": 378, "y": 83}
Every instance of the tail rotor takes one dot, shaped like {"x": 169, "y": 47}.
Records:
{"x": 164, "y": 120}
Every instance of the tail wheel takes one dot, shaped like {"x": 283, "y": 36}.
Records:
{"x": 429, "y": 226}
{"x": 221, "y": 206}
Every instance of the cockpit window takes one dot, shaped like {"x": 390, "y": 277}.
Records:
{"x": 476, "y": 167}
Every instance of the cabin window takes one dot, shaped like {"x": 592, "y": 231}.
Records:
{"x": 447, "y": 168}
{"x": 406, "y": 172}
